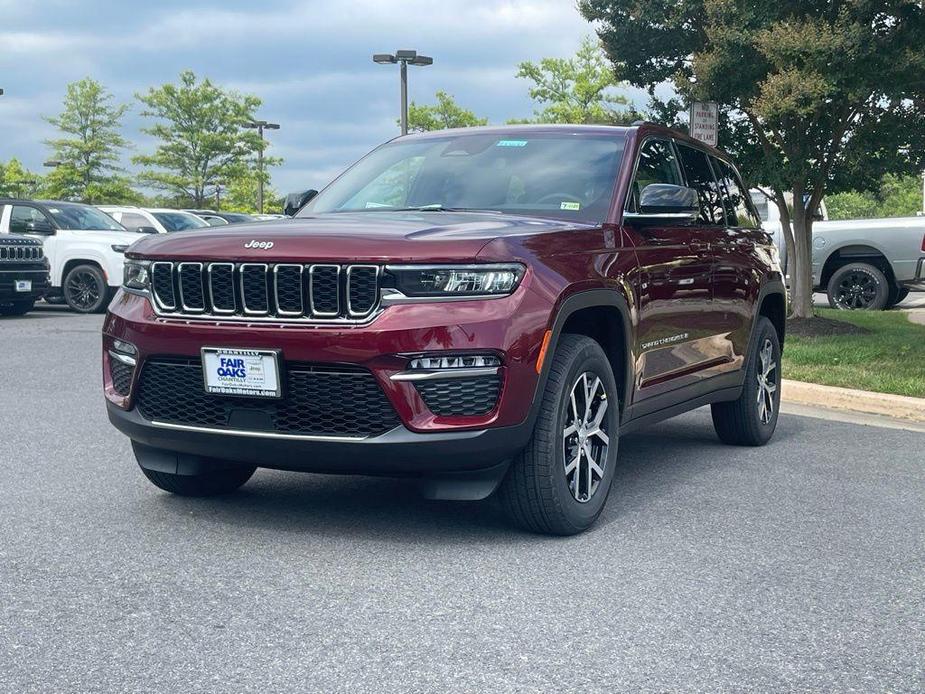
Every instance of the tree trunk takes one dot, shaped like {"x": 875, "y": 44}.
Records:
{"x": 801, "y": 267}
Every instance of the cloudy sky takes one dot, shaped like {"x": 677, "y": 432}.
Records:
{"x": 308, "y": 60}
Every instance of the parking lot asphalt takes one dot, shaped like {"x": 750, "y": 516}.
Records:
{"x": 797, "y": 566}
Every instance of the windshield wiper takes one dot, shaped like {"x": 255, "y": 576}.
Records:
{"x": 437, "y": 207}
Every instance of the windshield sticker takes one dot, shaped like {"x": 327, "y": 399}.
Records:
{"x": 376, "y": 204}
{"x": 570, "y": 206}
{"x": 511, "y": 143}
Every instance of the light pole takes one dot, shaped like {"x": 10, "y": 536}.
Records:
{"x": 260, "y": 125}
{"x": 404, "y": 58}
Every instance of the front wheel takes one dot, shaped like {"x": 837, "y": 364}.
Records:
{"x": 85, "y": 289}
{"x": 751, "y": 419}
{"x": 210, "y": 483}
{"x": 559, "y": 484}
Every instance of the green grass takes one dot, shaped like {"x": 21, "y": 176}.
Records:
{"x": 891, "y": 359}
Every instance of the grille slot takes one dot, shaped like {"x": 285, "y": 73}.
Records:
{"x": 191, "y": 296}
{"x": 324, "y": 289}
{"x": 162, "y": 285}
{"x": 318, "y": 401}
{"x": 460, "y": 397}
{"x": 261, "y": 291}
{"x": 287, "y": 286}
{"x": 254, "y": 289}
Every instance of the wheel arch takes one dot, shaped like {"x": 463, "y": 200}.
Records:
{"x": 771, "y": 304}
{"x": 603, "y": 315}
{"x": 852, "y": 253}
{"x": 71, "y": 263}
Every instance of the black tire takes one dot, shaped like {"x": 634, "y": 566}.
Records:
{"x": 742, "y": 422}
{"x": 17, "y": 308}
{"x": 897, "y": 296}
{"x": 85, "y": 289}
{"x": 858, "y": 286}
{"x": 204, "y": 484}
{"x": 537, "y": 492}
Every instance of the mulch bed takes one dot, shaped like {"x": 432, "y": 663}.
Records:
{"x": 823, "y": 327}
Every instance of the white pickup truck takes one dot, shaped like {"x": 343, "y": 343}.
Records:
{"x": 84, "y": 247}
{"x": 860, "y": 263}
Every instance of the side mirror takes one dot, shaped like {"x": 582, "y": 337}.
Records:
{"x": 296, "y": 201}
{"x": 40, "y": 226}
{"x": 665, "y": 203}
{"x": 146, "y": 230}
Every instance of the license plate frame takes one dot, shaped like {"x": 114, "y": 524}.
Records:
{"x": 262, "y": 372}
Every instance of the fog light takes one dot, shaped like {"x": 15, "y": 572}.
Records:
{"x": 124, "y": 347}
{"x": 455, "y": 362}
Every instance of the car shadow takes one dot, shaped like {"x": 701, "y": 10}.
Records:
{"x": 652, "y": 463}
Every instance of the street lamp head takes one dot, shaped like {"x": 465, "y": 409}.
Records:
{"x": 422, "y": 60}
{"x": 52, "y": 163}
{"x": 406, "y": 55}
{"x": 384, "y": 58}
{"x": 272, "y": 126}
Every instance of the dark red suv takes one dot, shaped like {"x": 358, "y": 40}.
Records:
{"x": 482, "y": 309}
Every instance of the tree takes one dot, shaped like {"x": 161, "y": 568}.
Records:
{"x": 446, "y": 113}
{"x": 16, "y": 181}
{"x": 90, "y": 149}
{"x": 897, "y": 196}
{"x": 816, "y": 96}
{"x": 202, "y": 140}
{"x": 577, "y": 89}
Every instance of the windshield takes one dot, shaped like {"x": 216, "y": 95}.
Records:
{"x": 179, "y": 221}
{"x": 547, "y": 174}
{"x": 82, "y": 217}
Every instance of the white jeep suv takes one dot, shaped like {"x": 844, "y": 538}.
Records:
{"x": 84, "y": 247}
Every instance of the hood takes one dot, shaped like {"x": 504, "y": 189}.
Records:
{"x": 348, "y": 237}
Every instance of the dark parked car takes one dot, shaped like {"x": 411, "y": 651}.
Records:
{"x": 483, "y": 310}
{"x": 24, "y": 277}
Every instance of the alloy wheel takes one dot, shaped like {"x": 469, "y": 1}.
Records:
{"x": 83, "y": 290}
{"x": 856, "y": 290}
{"x": 767, "y": 382}
{"x": 585, "y": 437}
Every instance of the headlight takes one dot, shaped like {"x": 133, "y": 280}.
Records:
{"x": 120, "y": 248}
{"x": 136, "y": 275}
{"x": 460, "y": 281}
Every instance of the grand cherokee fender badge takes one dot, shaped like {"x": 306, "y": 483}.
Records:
{"x": 262, "y": 245}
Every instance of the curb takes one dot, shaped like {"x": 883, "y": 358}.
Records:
{"x": 864, "y": 401}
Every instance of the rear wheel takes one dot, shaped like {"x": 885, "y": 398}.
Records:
{"x": 85, "y": 289}
{"x": 897, "y": 296}
{"x": 858, "y": 286}
{"x": 209, "y": 483}
{"x": 17, "y": 308}
{"x": 751, "y": 419}
{"x": 559, "y": 484}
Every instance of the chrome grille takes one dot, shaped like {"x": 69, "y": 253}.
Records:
{"x": 9, "y": 252}
{"x": 255, "y": 291}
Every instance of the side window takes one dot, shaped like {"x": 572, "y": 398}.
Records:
{"x": 700, "y": 178}
{"x": 21, "y": 216}
{"x": 132, "y": 221}
{"x": 737, "y": 203}
{"x": 657, "y": 164}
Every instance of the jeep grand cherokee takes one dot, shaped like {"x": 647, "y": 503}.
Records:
{"x": 486, "y": 310}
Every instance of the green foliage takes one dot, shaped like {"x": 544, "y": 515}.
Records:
{"x": 446, "y": 113}
{"x": 816, "y": 97}
{"x": 577, "y": 89}
{"x": 898, "y": 196}
{"x": 90, "y": 147}
{"x": 202, "y": 142}
{"x": 16, "y": 181}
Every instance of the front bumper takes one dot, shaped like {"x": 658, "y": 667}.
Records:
{"x": 38, "y": 276}
{"x": 511, "y": 328}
